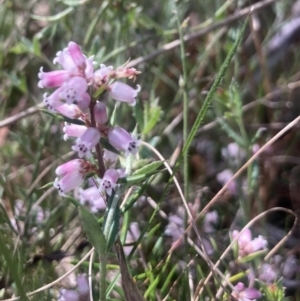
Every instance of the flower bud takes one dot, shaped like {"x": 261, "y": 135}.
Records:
{"x": 100, "y": 113}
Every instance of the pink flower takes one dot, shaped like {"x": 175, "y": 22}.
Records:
{"x": 86, "y": 142}
{"x": 122, "y": 92}
{"x": 53, "y": 101}
{"x": 247, "y": 245}
{"x": 70, "y": 175}
{"x": 77, "y": 56}
{"x": 69, "y": 295}
{"x": 74, "y": 91}
{"x": 71, "y": 111}
{"x": 109, "y": 181}
{"x": 93, "y": 198}
{"x": 82, "y": 292}
{"x": 122, "y": 140}
{"x": 243, "y": 293}
{"x": 101, "y": 76}
{"x": 73, "y": 61}
{"x": 73, "y": 130}
{"x": 100, "y": 113}
{"x": 210, "y": 219}
{"x": 52, "y": 79}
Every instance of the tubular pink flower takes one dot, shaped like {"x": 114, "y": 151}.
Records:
{"x": 109, "y": 181}
{"x": 73, "y": 130}
{"x": 64, "y": 58}
{"x": 74, "y": 90}
{"x": 122, "y": 140}
{"x": 92, "y": 197}
{"x": 243, "y": 293}
{"x": 73, "y": 61}
{"x": 76, "y": 165}
{"x": 53, "y": 101}
{"x": 122, "y": 92}
{"x": 52, "y": 79}
{"x": 89, "y": 70}
{"x": 68, "y": 182}
{"x": 77, "y": 56}
{"x": 101, "y": 76}
{"x": 100, "y": 113}
{"x": 86, "y": 142}
{"x": 69, "y": 110}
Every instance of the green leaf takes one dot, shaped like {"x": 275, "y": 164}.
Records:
{"x": 36, "y": 46}
{"x": 212, "y": 90}
{"x": 113, "y": 229}
{"x": 131, "y": 180}
{"x": 93, "y": 231}
{"x": 63, "y": 118}
{"x": 149, "y": 168}
{"x": 54, "y": 18}
{"x": 13, "y": 265}
{"x": 137, "y": 164}
{"x": 153, "y": 117}
{"x": 134, "y": 197}
{"x": 231, "y": 133}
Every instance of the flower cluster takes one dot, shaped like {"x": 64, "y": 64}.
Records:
{"x": 243, "y": 293}
{"x": 76, "y": 85}
{"x": 247, "y": 245}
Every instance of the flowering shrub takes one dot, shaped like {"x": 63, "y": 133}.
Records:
{"x": 78, "y": 88}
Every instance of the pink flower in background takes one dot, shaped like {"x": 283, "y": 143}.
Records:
{"x": 85, "y": 143}
{"x": 109, "y": 181}
{"x": 247, "y": 245}
{"x": 93, "y": 198}
{"x": 224, "y": 176}
{"x": 82, "y": 292}
{"x": 122, "y": 92}
{"x": 123, "y": 141}
{"x": 210, "y": 219}
{"x": 243, "y": 293}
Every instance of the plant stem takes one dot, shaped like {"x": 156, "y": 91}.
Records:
{"x": 99, "y": 152}
{"x": 101, "y": 171}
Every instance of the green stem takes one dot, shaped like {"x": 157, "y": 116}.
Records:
{"x": 183, "y": 87}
